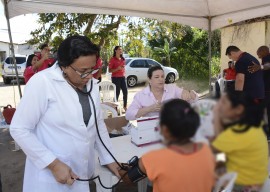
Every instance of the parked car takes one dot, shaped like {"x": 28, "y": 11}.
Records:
{"x": 8, "y": 68}
{"x": 136, "y": 71}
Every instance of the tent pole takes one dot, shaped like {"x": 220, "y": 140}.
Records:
{"x": 12, "y": 45}
{"x": 210, "y": 51}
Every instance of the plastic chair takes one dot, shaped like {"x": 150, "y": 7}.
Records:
{"x": 266, "y": 186}
{"x": 226, "y": 182}
{"x": 205, "y": 109}
{"x": 108, "y": 109}
{"x": 108, "y": 94}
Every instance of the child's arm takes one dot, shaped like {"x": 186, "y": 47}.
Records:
{"x": 134, "y": 174}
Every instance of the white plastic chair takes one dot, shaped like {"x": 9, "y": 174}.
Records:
{"x": 205, "y": 109}
{"x": 108, "y": 109}
{"x": 108, "y": 94}
{"x": 266, "y": 186}
{"x": 226, "y": 182}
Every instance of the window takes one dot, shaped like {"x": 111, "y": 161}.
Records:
{"x": 139, "y": 64}
{"x": 127, "y": 60}
{"x": 152, "y": 63}
{"x": 19, "y": 60}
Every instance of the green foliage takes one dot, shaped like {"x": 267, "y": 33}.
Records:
{"x": 180, "y": 46}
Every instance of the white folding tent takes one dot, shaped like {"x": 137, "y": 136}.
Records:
{"x": 205, "y": 14}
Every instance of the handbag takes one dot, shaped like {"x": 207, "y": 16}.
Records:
{"x": 8, "y": 113}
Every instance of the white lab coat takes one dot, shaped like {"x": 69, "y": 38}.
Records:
{"x": 49, "y": 124}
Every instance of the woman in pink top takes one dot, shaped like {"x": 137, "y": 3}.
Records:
{"x": 148, "y": 101}
{"x": 32, "y": 66}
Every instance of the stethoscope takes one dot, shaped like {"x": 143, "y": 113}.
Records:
{"x": 123, "y": 166}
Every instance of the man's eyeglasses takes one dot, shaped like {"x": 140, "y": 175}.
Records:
{"x": 84, "y": 75}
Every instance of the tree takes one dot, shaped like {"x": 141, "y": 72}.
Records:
{"x": 166, "y": 51}
{"x": 54, "y": 27}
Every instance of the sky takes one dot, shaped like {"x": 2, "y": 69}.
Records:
{"x": 21, "y": 26}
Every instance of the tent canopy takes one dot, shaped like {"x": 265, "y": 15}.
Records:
{"x": 195, "y": 13}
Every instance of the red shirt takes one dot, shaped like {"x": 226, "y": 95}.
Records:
{"x": 28, "y": 73}
{"x": 114, "y": 63}
{"x": 230, "y": 74}
{"x": 98, "y": 65}
{"x": 47, "y": 63}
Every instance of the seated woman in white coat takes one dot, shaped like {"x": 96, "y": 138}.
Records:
{"x": 148, "y": 101}
{"x": 54, "y": 123}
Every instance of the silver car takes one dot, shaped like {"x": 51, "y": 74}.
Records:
{"x": 8, "y": 68}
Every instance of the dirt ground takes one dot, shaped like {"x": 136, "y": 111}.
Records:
{"x": 12, "y": 162}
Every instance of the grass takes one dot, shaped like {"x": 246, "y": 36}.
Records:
{"x": 198, "y": 85}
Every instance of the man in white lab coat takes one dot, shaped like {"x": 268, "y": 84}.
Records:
{"x": 54, "y": 123}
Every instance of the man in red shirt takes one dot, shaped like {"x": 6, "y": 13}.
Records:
{"x": 45, "y": 57}
{"x": 98, "y": 65}
{"x": 229, "y": 73}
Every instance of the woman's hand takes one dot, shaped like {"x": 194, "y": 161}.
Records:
{"x": 155, "y": 107}
{"x": 62, "y": 173}
{"x": 114, "y": 168}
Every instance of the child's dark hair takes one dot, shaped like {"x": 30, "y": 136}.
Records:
{"x": 180, "y": 118}
{"x": 253, "y": 109}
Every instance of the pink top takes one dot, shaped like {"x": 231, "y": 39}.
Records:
{"x": 145, "y": 98}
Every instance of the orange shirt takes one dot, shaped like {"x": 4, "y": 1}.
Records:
{"x": 171, "y": 171}
{"x": 114, "y": 63}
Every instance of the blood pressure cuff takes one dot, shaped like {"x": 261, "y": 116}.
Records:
{"x": 135, "y": 174}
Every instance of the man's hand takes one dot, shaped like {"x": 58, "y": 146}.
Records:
{"x": 62, "y": 173}
{"x": 254, "y": 67}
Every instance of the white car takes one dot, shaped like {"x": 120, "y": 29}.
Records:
{"x": 136, "y": 71}
{"x": 8, "y": 68}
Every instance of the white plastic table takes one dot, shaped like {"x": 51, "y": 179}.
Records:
{"x": 124, "y": 151}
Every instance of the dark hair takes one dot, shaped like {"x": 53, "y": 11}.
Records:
{"x": 180, "y": 118}
{"x": 231, "y": 49}
{"x": 29, "y": 60}
{"x": 253, "y": 109}
{"x": 114, "y": 52}
{"x": 73, "y": 47}
{"x": 152, "y": 69}
{"x": 42, "y": 46}
{"x": 264, "y": 49}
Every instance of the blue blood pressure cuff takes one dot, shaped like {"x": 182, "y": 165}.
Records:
{"x": 135, "y": 174}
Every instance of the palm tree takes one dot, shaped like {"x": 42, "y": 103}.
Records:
{"x": 166, "y": 51}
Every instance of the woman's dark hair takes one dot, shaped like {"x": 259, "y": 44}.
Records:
{"x": 152, "y": 69}
{"x": 29, "y": 60}
{"x": 73, "y": 47}
{"x": 114, "y": 52}
{"x": 253, "y": 109}
{"x": 180, "y": 118}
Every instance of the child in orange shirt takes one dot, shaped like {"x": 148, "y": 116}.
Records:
{"x": 183, "y": 166}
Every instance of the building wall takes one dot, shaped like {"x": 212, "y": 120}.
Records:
{"x": 248, "y": 38}
{"x": 21, "y": 49}
{"x": 267, "y": 33}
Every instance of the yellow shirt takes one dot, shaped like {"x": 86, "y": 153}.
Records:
{"x": 246, "y": 153}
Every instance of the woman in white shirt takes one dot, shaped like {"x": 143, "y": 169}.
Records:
{"x": 55, "y": 122}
